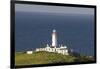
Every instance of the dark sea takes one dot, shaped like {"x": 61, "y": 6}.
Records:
{"x": 34, "y": 29}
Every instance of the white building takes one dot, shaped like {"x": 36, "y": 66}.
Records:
{"x": 29, "y": 52}
{"x": 53, "y": 48}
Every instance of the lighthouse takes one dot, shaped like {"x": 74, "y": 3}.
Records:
{"x": 62, "y": 49}
{"x": 54, "y": 38}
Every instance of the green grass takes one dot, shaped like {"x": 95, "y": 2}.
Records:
{"x": 44, "y": 58}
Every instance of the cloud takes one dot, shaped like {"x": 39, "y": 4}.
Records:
{"x": 53, "y": 9}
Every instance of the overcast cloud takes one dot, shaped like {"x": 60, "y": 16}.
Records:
{"x": 53, "y": 9}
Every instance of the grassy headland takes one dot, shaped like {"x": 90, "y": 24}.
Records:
{"x": 22, "y": 58}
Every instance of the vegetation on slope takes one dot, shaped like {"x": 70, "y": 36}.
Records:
{"x": 47, "y": 58}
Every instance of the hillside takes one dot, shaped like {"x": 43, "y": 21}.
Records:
{"x": 22, "y": 58}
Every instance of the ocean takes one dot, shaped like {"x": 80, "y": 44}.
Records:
{"x": 34, "y": 30}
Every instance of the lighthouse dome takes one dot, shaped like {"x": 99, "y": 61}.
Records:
{"x": 54, "y": 30}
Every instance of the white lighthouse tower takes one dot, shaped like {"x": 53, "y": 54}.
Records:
{"x": 62, "y": 49}
{"x": 54, "y": 38}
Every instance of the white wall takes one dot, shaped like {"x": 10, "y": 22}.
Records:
{"x": 5, "y": 34}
